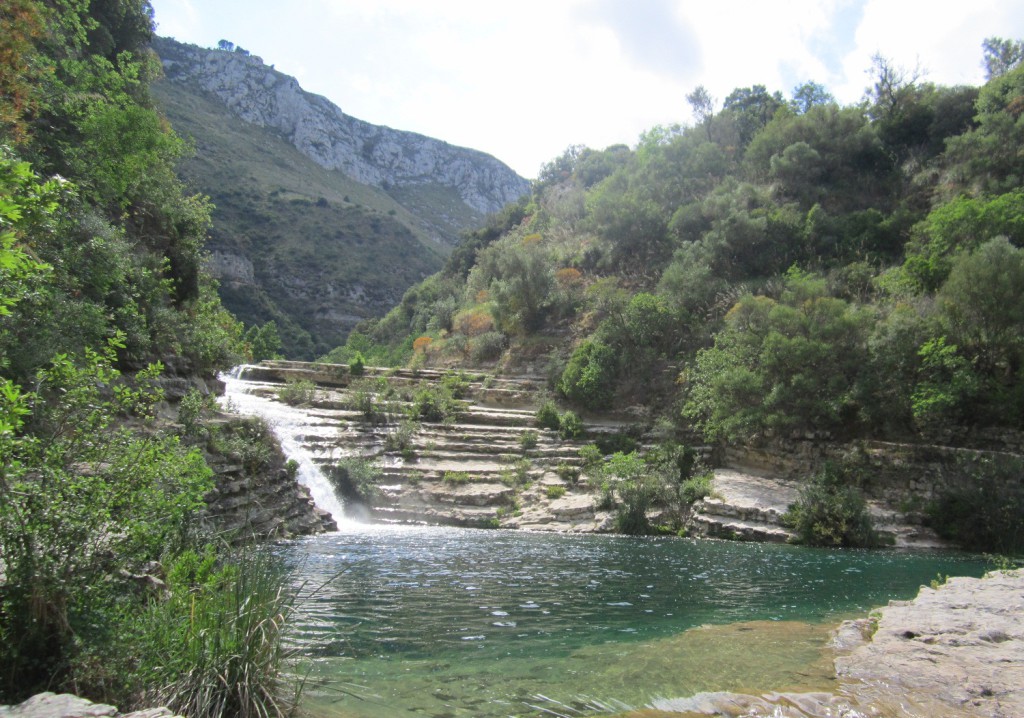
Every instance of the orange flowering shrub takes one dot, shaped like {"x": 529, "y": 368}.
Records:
{"x": 420, "y": 344}
{"x": 568, "y": 277}
{"x": 473, "y": 322}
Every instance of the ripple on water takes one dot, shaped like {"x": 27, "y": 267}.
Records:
{"x": 611, "y": 618}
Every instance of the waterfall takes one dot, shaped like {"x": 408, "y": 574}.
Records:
{"x": 289, "y": 425}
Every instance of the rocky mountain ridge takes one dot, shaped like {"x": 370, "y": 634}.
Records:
{"x": 371, "y": 154}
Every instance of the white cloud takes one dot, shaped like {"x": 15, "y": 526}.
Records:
{"x": 523, "y": 81}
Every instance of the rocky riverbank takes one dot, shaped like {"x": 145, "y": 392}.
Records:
{"x": 955, "y": 651}
{"x": 65, "y": 705}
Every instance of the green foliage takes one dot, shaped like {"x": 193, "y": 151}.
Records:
{"x": 297, "y": 392}
{"x": 191, "y": 410}
{"x": 455, "y": 477}
{"x": 214, "y": 647}
{"x": 696, "y": 488}
{"x": 946, "y": 385}
{"x": 631, "y": 515}
{"x": 568, "y": 473}
{"x": 402, "y": 437}
{"x": 80, "y": 498}
{"x": 436, "y": 403}
{"x": 781, "y": 366}
{"x": 589, "y": 377}
{"x": 831, "y": 512}
{"x": 982, "y": 509}
{"x": 355, "y": 478}
{"x": 570, "y": 426}
{"x": 264, "y": 341}
{"x": 528, "y": 440}
{"x": 247, "y": 440}
{"x": 357, "y": 365}
{"x": 555, "y": 492}
{"x": 547, "y": 416}
{"x": 591, "y": 455}
{"x": 617, "y": 442}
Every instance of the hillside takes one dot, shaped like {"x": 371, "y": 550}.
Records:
{"x": 785, "y": 270}
{"x": 320, "y": 220}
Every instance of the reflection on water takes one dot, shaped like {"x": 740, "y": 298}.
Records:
{"x": 453, "y": 622}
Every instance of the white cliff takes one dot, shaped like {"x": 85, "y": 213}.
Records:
{"x": 371, "y": 154}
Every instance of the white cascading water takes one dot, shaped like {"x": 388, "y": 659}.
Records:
{"x": 289, "y": 425}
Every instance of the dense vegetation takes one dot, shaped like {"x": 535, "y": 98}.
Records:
{"x": 101, "y": 290}
{"x": 783, "y": 268}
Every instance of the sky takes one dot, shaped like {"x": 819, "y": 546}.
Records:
{"x": 525, "y": 80}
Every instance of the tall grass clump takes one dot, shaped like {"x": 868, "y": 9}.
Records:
{"x": 213, "y": 648}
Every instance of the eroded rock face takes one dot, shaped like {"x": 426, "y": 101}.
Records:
{"x": 957, "y": 650}
{"x": 371, "y": 154}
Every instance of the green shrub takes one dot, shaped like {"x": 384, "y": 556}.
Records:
{"x": 635, "y": 498}
{"x": 696, "y": 488}
{"x": 190, "y": 413}
{"x": 367, "y": 397}
{"x": 547, "y": 416}
{"x": 617, "y": 442}
{"x": 830, "y": 512}
{"x": 568, "y": 473}
{"x": 214, "y": 647}
{"x": 570, "y": 426}
{"x": 248, "y": 441}
{"x": 555, "y": 492}
{"x": 436, "y": 403}
{"x": 456, "y": 383}
{"x": 589, "y": 377}
{"x": 528, "y": 440}
{"x": 355, "y": 478}
{"x": 486, "y": 347}
{"x": 297, "y": 392}
{"x": 591, "y": 456}
{"x": 402, "y": 438}
{"x": 518, "y": 474}
{"x": 357, "y": 365}
{"x": 984, "y": 511}
{"x": 455, "y": 477}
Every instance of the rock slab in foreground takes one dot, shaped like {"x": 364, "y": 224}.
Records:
{"x": 953, "y": 651}
{"x": 66, "y": 705}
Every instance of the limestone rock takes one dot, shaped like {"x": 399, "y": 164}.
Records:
{"x": 66, "y": 705}
{"x": 371, "y": 154}
{"x": 953, "y": 651}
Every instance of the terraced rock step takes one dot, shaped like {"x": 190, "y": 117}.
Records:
{"x": 750, "y": 507}
{"x": 490, "y": 466}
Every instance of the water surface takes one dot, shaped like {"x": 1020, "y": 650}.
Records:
{"x": 453, "y": 622}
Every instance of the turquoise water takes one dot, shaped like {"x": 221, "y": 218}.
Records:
{"x": 451, "y": 622}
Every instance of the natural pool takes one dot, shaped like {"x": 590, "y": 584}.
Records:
{"x": 451, "y": 622}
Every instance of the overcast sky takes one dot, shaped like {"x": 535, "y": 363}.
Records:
{"x": 524, "y": 80}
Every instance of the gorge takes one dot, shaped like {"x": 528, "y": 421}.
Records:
{"x": 460, "y": 621}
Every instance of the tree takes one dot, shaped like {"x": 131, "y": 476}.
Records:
{"x": 1001, "y": 56}
{"x": 225, "y": 45}
{"x": 752, "y": 108}
{"x": 702, "y": 106}
{"x": 589, "y": 377}
{"x": 781, "y": 366}
{"x": 810, "y": 94}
